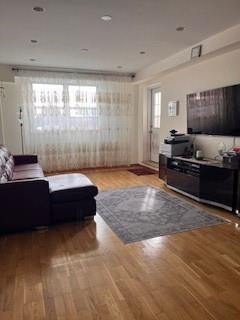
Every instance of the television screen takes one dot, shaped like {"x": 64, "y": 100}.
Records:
{"x": 215, "y": 112}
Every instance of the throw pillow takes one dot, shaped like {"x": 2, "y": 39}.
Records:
{"x": 3, "y": 178}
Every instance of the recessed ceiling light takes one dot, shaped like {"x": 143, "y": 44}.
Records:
{"x": 142, "y": 52}
{"x": 106, "y": 18}
{"x": 38, "y": 9}
{"x": 119, "y": 67}
{"x": 31, "y": 59}
{"x": 180, "y": 28}
{"x": 34, "y": 41}
{"x": 85, "y": 50}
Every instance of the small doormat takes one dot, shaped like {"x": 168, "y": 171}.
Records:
{"x": 142, "y": 171}
{"x": 140, "y": 213}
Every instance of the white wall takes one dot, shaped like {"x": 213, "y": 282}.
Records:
{"x": 218, "y": 44}
{"x": 6, "y": 75}
{"x": 222, "y": 70}
{"x": 1, "y": 122}
{"x": 10, "y": 107}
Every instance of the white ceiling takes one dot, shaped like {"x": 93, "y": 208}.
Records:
{"x": 68, "y": 26}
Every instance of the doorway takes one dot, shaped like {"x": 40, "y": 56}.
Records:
{"x": 154, "y": 113}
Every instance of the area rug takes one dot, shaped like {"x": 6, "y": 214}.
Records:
{"x": 142, "y": 171}
{"x": 140, "y": 213}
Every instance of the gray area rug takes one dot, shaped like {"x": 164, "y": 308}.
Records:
{"x": 140, "y": 213}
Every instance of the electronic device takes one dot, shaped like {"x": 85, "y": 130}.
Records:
{"x": 176, "y": 138}
{"x": 175, "y": 149}
{"x": 214, "y": 112}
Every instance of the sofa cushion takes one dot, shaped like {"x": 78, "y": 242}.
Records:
{"x": 9, "y": 171}
{"x": 70, "y": 188}
{"x": 27, "y": 174}
{"x": 9, "y": 167}
{"x": 2, "y": 171}
{"x": 20, "y": 159}
{"x": 25, "y": 167}
{"x": 3, "y": 178}
{"x": 2, "y": 165}
{"x": 4, "y": 152}
{"x": 2, "y": 160}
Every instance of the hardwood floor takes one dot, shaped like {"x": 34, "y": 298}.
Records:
{"x": 83, "y": 271}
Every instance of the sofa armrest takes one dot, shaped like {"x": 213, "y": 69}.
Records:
{"x": 25, "y": 159}
{"x": 24, "y": 204}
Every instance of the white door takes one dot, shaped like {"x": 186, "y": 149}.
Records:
{"x": 154, "y": 126}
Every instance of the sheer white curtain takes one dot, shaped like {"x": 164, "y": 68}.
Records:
{"x": 74, "y": 121}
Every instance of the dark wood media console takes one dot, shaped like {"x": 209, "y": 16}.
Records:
{"x": 206, "y": 181}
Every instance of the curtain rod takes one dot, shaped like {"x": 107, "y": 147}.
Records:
{"x": 76, "y": 71}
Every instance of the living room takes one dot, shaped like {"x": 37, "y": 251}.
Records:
{"x": 102, "y": 217}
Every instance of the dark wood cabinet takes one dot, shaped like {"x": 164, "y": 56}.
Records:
{"x": 184, "y": 176}
{"x": 215, "y": 184}
{"x": 162, "y": 167}
{"x": 218, "y": 185}
{"x": 238, "y": 193}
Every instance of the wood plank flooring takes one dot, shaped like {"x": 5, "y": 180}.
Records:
{"x": 83, "y": 271}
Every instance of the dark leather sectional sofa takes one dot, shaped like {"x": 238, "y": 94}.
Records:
{"x": 29, "y": 200}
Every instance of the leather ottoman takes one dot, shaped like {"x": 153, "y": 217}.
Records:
{"x": 71, "y": 197}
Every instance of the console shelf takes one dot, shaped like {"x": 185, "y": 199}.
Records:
{"x": 206, "y": 181}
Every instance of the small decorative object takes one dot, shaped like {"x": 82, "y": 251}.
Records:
{"x": 20, "y": 121}
{"x": 199, "y": 154}
{"x": 173, "y": 108}
{"x": 221, "y": 148}
{"x": 196, "y": 52}
{"x": 173, "y": 132}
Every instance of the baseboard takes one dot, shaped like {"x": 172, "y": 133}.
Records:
{"x": 148, "y": 166}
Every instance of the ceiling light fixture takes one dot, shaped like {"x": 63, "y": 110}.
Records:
{"x": 106, "y": 18}
{"x": 142, "y": 52}
{"x": 33, "y": 41}
{"x": 180, "y": 29}
{"x": 38, "y": 9}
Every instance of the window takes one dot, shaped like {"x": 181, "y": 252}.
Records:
{"x": 57, "y": 106}
{"x": 46, "y": 95}
{"x": 156, "y": 109}
{"x": 82, "y": 101}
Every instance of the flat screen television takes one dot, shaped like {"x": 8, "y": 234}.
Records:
{"x": 214, "y": 112}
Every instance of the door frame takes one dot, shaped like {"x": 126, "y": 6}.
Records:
{"x": 148, "y": 108}
{"x": 142, "y": 132}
